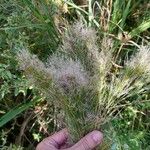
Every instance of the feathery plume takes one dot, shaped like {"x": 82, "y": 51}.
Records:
{"x": 26, "y": 60}
{"x": 141, "y": 61}
{"x": 67, "y": 72}
{"x": 36, "y": 72}
{"x": 81, "y": 42}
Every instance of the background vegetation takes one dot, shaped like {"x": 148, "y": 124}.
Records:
{"x": 25, "y": 115}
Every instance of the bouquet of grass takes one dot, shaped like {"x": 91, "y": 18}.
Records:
{"x": 83, "y": 80}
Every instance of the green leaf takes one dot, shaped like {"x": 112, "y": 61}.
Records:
{"x": 116, "y": 14}
{"x": 125, "y": 13}
{"x": 141, "y": 28}
{"x": 16, "y": 111}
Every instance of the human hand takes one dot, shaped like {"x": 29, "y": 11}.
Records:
{"x": 57, "y": 141}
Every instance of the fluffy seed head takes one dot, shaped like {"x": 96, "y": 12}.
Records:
{"x": 79, "y": 34}
{"x": 83, "y": 32}
{"x": 67, "y": 71}
{"x": 27, "y": 60}
{"x": 141, "y": 60}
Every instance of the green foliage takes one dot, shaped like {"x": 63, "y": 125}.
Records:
{"x": 32, "y": 24}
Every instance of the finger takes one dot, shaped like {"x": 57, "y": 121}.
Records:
{"x": 54, "y": 141}
{"x": 89, "y": 142}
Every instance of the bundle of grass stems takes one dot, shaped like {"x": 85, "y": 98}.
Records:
{"x": 80, "y": 79}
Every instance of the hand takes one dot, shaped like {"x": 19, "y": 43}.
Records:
{"x": 57, "y": 141}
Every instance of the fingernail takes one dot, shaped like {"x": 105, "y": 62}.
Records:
{"x": 97, "y": 136}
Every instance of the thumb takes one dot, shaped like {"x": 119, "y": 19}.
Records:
{"x": 89, "y": 142}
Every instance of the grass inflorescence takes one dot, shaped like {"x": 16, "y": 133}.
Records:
{"x": 79, "y": 78}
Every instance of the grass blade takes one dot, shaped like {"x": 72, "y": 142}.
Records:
{"x": 116, "y": 15}
{"x": 89, "y": 14}
{"x": 125, "y": 14}
{"x": 16, "y": 111}
{"x": 141, "y": 28}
